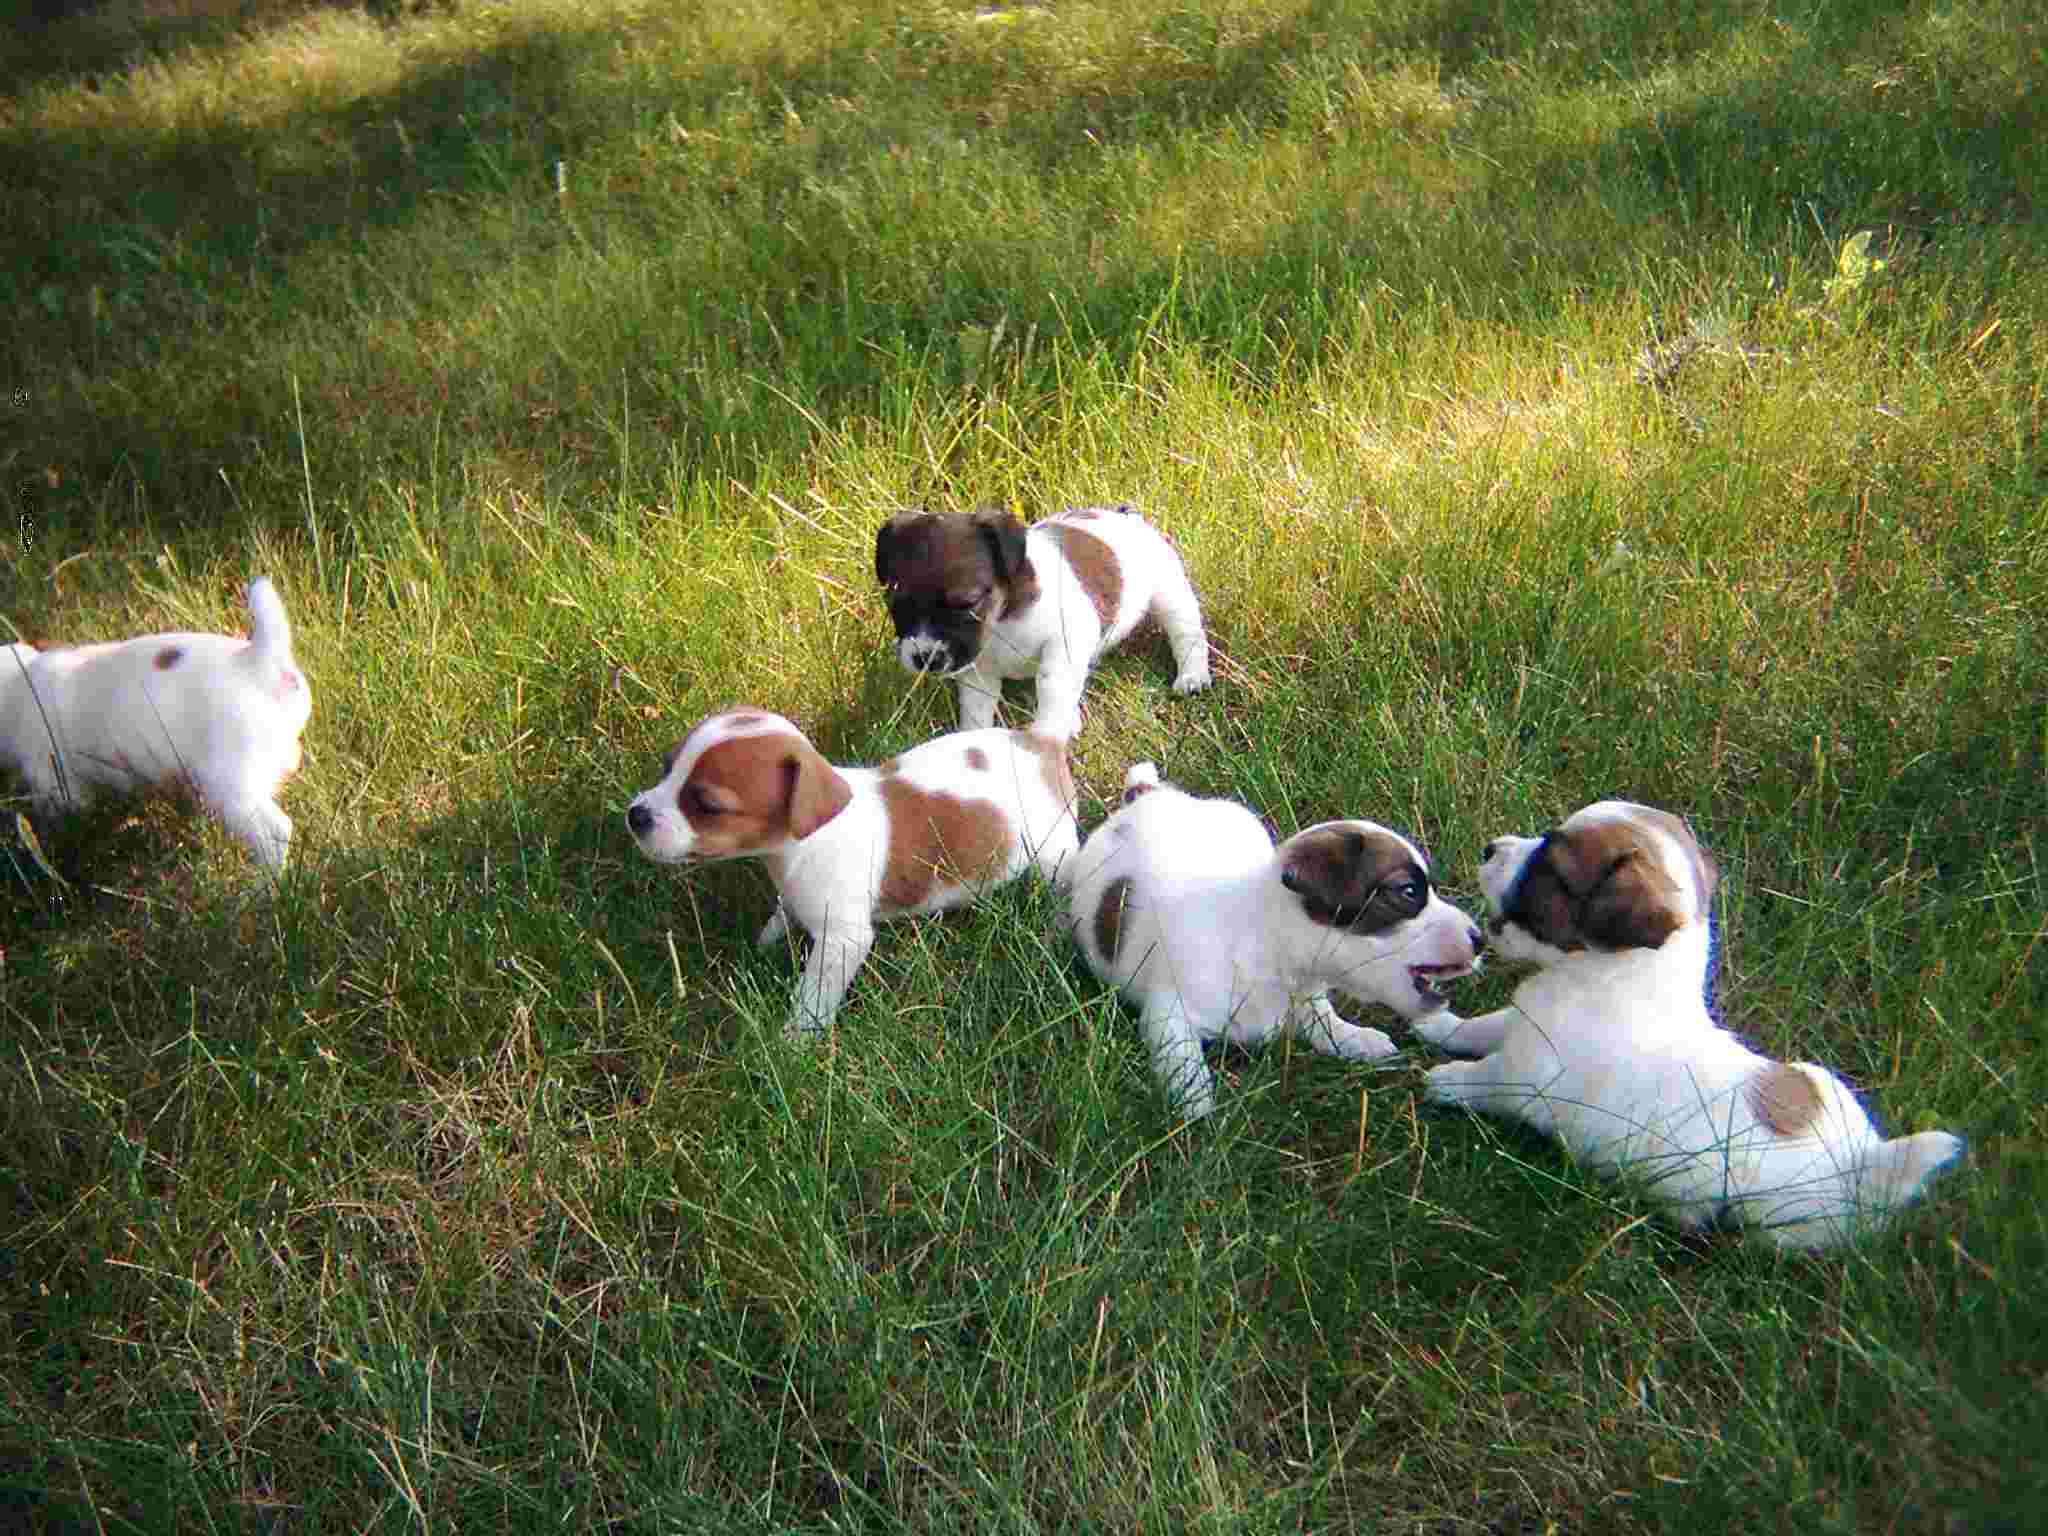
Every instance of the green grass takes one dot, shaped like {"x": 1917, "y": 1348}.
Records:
{"x": 1501, "y": 374}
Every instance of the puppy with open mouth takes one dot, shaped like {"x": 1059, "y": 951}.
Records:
{"x": 982, "y": 598}
{"x": 1610, "y": 1048}
{"x": 1212, "y": 932}
{"x": 930, "y": 829}
{"x": 215, "y": 714}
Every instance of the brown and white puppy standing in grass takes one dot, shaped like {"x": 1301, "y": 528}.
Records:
{"x": 1610, "y": 1047}
{"x": 982, "y": 598}
{"x": 1212, "y": 932}
{"x": 930, "y": 829}
{"x": 215, "y": 714}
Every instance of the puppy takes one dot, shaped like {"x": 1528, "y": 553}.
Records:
{"x": 848, "y": 847}
{"x": 1209, "y": 930}
{"x": 983, "y": 598}
{"x": 1610, "y": 1048}
{"x": 217, "y": 714}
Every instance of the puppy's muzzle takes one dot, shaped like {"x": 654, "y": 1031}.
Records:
{"x": 920, "y": 654}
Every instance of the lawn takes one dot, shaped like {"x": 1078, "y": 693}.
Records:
{"x": 1551, "y": 401}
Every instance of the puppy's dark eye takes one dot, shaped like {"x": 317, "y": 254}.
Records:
{"x": 695, "y": 802}
{"x": 965, "y": 602}
{"x": 1408, "y": 891}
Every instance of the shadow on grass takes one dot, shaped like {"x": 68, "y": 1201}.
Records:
{"x": 181, "y": 219}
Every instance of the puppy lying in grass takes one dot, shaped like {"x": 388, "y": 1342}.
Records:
{"x": 1186, "y": 906}
{"x": 1610, "y": 1048}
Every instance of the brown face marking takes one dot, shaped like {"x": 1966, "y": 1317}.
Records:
{"x": 169, "y": 657}
{"x": 756, "y": 791}
{"x": 744, "y": 718}
{"x": 935, "y": 554}
{"x": 1598, "y": 885}
{"x": 1706, "y": 874}
{"x": 1095, "y": 566}
{"x": 1109, "y": 918}
{"x": 1785, "y": 1099}
{"x": 977, "y": 760}
{"x": 1363, "y": 879}
{"x": 937, "y": 840}
{"x": 1051, "y": 753}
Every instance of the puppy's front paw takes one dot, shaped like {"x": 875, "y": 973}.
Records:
{"x": 1361, "y": 1044}
{"x": 775, "y": 930}
{"x": 1436, "y": 1028}
{"x": 1192, "y": 679}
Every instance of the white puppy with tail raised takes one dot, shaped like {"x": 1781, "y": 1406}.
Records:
{"x": 982, "y": 598}
{"x": 1609, "y": 1046}
{"x": 214, "y": 714}
{"x": 927, "y": 830}
{"x": 1188, "y": 908}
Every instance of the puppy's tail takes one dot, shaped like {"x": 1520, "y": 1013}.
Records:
{"x": 1139, "y": 779}
{"x": 270, "y": 632}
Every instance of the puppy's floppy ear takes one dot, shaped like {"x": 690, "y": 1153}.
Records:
{"x": 816, "y": 791}
{"x": 1004, "y": 536}
{"x": 1634, "y": 905}
{"x": 887, "y": 539}
{"x": 1326, "y": 869}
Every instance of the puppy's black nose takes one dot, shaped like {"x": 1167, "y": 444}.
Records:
{"x": 639, "y": 819}
{"x": 1487, "y": 852}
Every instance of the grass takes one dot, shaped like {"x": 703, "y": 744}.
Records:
{"x": 1536, "y": 428}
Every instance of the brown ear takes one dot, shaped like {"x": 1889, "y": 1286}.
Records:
{"x": 817, "y": 792}
{"x": 887, "y": 537}
{"x": 1335, "y": 871}
{"x": 1633, "y": 905}
{"x": 1004, "y": 536}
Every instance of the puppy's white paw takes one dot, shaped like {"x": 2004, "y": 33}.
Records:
{"x": 775, "y": 930}
{"x": 1455, "y": 1082}
{"x": 1438, "y": 1028}
{"x": 1361, "y": 1044}
{"x": 1192, "y": 679}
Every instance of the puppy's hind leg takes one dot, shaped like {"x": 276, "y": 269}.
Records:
{"x": 1895, "y": 1172}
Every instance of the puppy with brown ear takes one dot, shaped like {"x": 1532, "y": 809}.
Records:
{"x": 1610, "y": 1048}
{"x": 1188, "y": 908}
{"x": 930, "y": 829}
{"x": 982, "y": 598}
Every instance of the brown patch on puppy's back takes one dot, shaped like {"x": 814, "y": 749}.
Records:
{"x": 1109, "y": 918}
{"x": 1785, "y": 1099}
{"x": 936, "y": 840}
{"x": 169, "y": 657}
{"x": 1095, "y": 566}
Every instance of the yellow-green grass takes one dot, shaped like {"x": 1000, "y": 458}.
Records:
{"x": 1537, "y": 428}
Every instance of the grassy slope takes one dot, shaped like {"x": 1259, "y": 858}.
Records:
{"x": 559, "y": 359}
